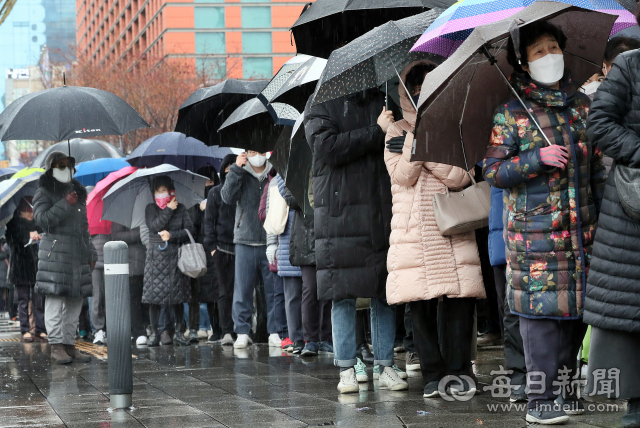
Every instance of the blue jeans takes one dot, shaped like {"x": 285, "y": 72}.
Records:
{"x": 251, "y": 261}
{"x": 383, "y": 332}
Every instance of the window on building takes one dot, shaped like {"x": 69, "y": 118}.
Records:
{"x": 257, "y": 68}
{"x": 256, "y": 43}
{"x": 209, "y": 17}
{"x": 256, "y": 17}
{"x": 212, "y": 68}
{"x": 210, "y": 43}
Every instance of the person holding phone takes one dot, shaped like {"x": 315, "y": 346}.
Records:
{"x": 66, "y": 254}
{"x": 243, "y": 187}
{"x": 164, "y": 284}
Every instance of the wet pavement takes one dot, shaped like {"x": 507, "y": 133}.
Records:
{"x": 213, "y": 386}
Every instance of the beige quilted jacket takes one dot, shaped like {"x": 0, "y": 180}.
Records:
{"x": 422, "y": 263}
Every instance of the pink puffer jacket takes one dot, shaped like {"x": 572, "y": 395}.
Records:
{"x": 422, "y": 263}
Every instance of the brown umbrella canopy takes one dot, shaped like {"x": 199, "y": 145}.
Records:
{"x": 459, "y": 97}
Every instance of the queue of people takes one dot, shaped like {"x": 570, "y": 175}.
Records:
{"x": 562, "y": 243}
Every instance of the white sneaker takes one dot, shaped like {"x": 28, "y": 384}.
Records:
{"x": 141, "y": 340}
{"x": 202, "y": 335}
{"x": 100, "y": 338}
{"x": 242, "y": 341}
{"x": 274, "y": 341}
{"x": 348, "y": 382}
{"x": 390, "y": 380}
{"x": 227, "y": 340}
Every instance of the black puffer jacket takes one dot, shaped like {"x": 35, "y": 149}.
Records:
{"x": 65, "y": 249}
{"x": 137, "y": 251}
{"x": 352, "y": 196}
{"x": 613, "y": 284}
{"x": 219, "y": 217}
{"x": 207, "y": 282}
{"x": 302, "y": 242}
{"x": 164, "y": 284}
{"x": 24, "y": 260}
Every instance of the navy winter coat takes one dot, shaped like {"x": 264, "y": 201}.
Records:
{"x": 496, "y": 228}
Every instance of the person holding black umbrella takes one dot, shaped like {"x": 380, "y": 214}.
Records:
{"x": 352, "y": 213}
{"x": 219, "y": 221}
{"x": 552, "y": 200}
{"x": 66, "y": 255}
{"x": 23, "y": 236}
{"x": 612, "y": 303}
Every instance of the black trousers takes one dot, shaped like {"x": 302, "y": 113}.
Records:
{"x": 26, "y": 293}
{"x": 84, "y": 323}
{"x": 447, "y": 353}
{"x": 549, "y": 345}
{"x": 316, "y": 314}
{"x": 194, "y": 305}
{"x": 513, "y": 348}
{"x": 139, "y": 311}
{"x": 178, "y": 312}
{"x": 225, "y": 265}
{"x": 407, "y": 341}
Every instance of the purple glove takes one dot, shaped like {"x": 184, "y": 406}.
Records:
{"x": 554, "y": 156}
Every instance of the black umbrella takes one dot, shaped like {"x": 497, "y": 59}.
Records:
{"x": 458, "y": 99}
{"x": 300, "y": 85}
{"x": 68, "y": 112}
{"x": 298, "y": 172}
{"x": 374, "y": 58}
{"x": 206, "y": 109}
{"x": 294, "y": 83}
{"x": 326, "y": 25}
{"x": 81, "y": 149}
{"x": 251, "y": 126}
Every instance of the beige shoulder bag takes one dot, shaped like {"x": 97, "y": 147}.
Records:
{"x": 462, "y": 211}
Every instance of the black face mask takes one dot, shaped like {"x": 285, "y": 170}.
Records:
{"x": 206, "y": 190}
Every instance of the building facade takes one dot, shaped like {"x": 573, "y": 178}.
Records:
{"x": 247, "y": 39}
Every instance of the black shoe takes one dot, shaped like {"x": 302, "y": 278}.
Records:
{"x": 193, "y": 336}
{"x": 214, "y": 338}
{"x": 431, "y": 390}
{"x": 492, "y": 338}
{"x": 518, "y": 395}
{"x": 546, "y": 413}
{"x": 365, "y": 354}
{"x": 631, "y": 419}
{"x": 298, "y": 346}
{"x": 571, "y": 405}
{"x": 154, "y": 338}
{"x": 178, "y": 337}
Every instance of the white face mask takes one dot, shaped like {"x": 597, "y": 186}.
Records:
{"x": 590, "y": 88}
{"x": 547, "y": 70}
{"x": 63, "y": 176}
{"x": 257, "y": 160}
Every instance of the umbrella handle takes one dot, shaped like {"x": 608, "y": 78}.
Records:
{"x": 166, "y": 244}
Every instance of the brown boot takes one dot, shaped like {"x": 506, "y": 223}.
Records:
{"x": 59, "y": 355}
{"x": 77, "y": 356}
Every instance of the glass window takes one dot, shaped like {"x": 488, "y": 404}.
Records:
{"x": 209, "y": 17}
{"x": 210, "y": 43}
{"x": 256, "y": 17}
{"x": 257, "y": 68}
{"x": 213, "y": 68}
{"x": 256, "y": 43}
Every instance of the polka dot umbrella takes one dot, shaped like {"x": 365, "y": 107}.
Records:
{"x": 374, "y": 58}
{"x": 456, "y": 23}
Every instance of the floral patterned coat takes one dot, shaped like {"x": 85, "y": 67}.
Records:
{"x": 550, "y": 215}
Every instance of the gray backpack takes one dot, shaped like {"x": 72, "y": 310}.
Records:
{"x": 628, "y": 186}
{"x": 192, "y": 260}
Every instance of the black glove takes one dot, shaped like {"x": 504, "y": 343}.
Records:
{"x": 395, "y": 144}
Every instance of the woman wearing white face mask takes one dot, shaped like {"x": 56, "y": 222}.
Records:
{"x": 552, "y": 199}
{"x": 66, "y": 255}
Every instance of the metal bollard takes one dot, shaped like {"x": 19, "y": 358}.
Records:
{"x": 118, "y": 312}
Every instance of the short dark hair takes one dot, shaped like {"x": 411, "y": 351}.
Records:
{"x": 416, "y": 75}
{"x": 163, "y": 181}
{"x": 619, "y": 44}
{"x": 528, "y": 36}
